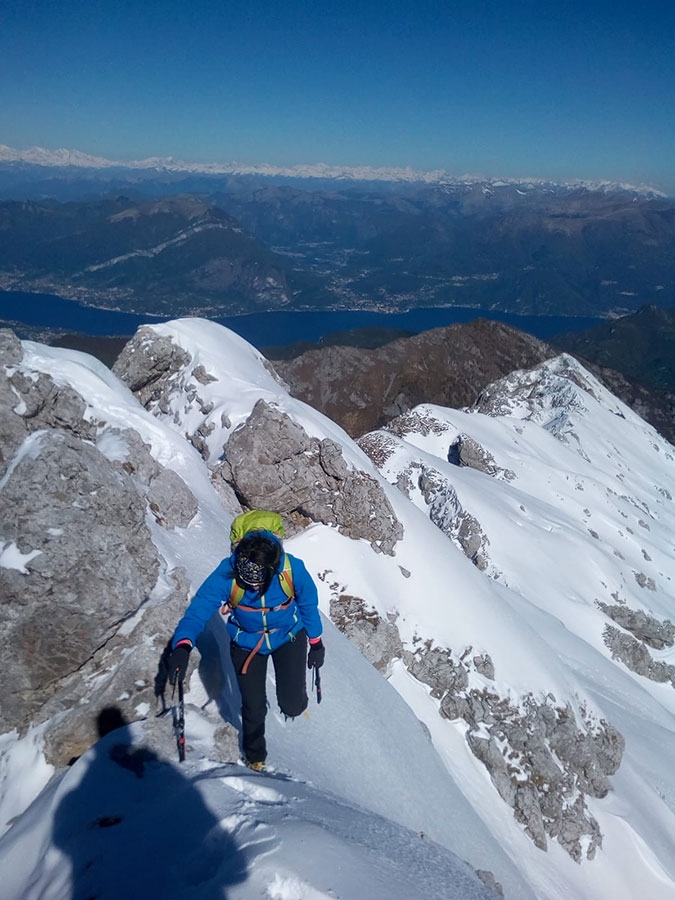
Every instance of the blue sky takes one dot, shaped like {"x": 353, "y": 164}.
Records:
{"x": 559, "y": 90}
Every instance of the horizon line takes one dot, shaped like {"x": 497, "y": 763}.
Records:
{"x": 65, "y": 157}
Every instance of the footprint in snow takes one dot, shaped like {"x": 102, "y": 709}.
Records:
{"x": 254, "y": 791}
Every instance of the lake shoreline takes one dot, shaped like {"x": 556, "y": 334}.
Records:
{"x": 49, "y": 314}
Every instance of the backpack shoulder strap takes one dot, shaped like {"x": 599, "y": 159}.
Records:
{"x": 286, "y": 578}
{"x": 236, "y": 594}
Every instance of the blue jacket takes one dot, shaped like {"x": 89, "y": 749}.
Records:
{"x": 244, "y": 627}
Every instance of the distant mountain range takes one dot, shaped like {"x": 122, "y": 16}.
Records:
{"x": 63, "y": 158}
{"x": 173, "y": 238}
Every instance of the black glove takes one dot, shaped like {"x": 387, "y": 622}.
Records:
{"x": 178, "y": 663}
{"x": 316, "y": 655}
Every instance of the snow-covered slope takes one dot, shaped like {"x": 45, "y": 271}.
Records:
{"x": 574, "y": 509}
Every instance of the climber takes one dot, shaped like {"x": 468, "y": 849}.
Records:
{"x": 271, "y": 605}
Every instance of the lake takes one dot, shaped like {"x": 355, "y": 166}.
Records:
{"x": 270, "y": 328}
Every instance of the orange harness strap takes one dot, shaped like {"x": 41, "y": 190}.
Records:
{"x": 226, "y": 608}
{"x": 234, "y": 602}
{"x": 244, "y": 668}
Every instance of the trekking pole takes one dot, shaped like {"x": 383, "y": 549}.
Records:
{"x": 179, "y": 721}
{"x": 316, "y": 678}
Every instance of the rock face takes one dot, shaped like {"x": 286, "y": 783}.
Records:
{"x": 542, "y": 760}
{"x": 79, "y": 524}
{"x": 272, "y": 463}
{"x": 363, "y": 389}
{"x": 378, "y": 641}
{"x": 269, "y": 460}
{"x": 78, "y": 559}
{"x": 545, "y": 758}
{"x": 633, "y": 649}
{"x": 146, "y": 363}
{"x": 445, "y": 509}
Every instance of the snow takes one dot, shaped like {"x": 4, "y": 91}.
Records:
{"x": 76, "y": 158}
{"x": 121, "y": 822}
{"x": 12, "y": 558}
{"x": 373, "y": 793}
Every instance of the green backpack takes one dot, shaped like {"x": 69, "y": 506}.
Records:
{"x": 256, "y": 520}
{"x": 260, "y": 520}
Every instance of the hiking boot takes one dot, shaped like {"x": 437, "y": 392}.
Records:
{"x": 256, "y": 766}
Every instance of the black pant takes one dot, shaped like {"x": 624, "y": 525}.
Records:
{"x": 290, "y": 667}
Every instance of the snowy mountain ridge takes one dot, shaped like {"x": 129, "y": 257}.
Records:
{"x": 61, "y": 157}
{"x": 521, "y": 610}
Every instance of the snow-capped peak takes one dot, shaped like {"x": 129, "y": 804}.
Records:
{"x": 40, "y": 156}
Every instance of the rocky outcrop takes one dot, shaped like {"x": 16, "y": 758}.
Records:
{"x": 32, "y": 402}
{"x": 83, "y": 562}
{"x": 148, "y": 362}
{"x": 271, "y": 462}
{"x": 645, "y": 632}
{"x": 541, "y": 759}
{"x": 466, "y": 451}
{"x": 125, "y": 673}
{"x": 444, "y": 506}
{"x": 377, "y": 640}
{"x": 448, "y": 514}
{"x": 646, "y": 628}
{"x": 363, "y": 389}
{"x": 79, "y": 570}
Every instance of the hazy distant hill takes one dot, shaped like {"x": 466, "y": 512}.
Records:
{"x": 268, "y": 241}
{"x": 540, "y": 251}
{"x": 641, "y": 346}
{"x": 170, "y": 255}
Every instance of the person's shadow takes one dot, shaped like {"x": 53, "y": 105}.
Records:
{"x": 135, "y": 827}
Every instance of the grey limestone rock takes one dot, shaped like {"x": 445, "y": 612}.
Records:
{"x": 377, "y": 639}
{"x": 127, "y": 675}
{"x": 170, "y": 500}
{"x": 635, "y": 655}
{"x": 448, "y": 514}
{"x": 32, "y": 401}
{"x": 437, "y": 668}
{"x": 466, "y": 451}
{"x": 147, "y": 362}
{"x": 274, "y": 464}
{"x": 542, "y": 760}
{"x": 79, "y": 524}
{"x": 80, "y": 568}
{"x": 11, "y": 351}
